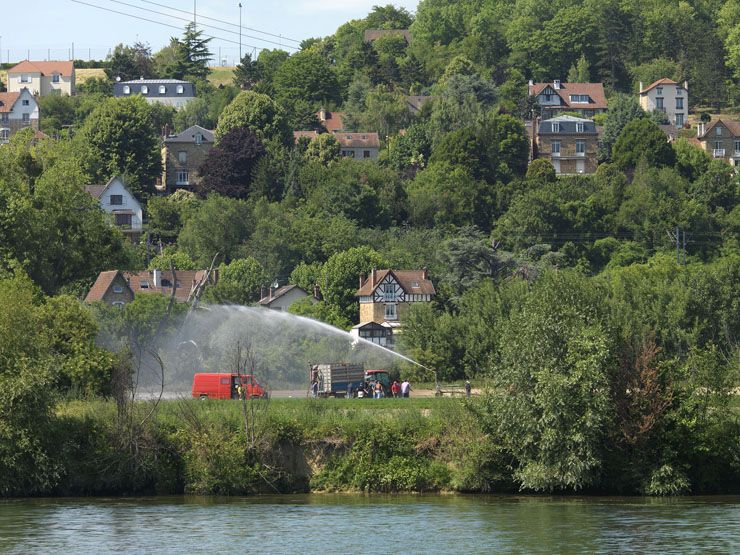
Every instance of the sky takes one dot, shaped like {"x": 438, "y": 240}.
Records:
{"x": 46, "y": 29}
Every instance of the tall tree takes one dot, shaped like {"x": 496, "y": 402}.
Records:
{"x": 227, "y": 169}
{"x": 247, "y": 73}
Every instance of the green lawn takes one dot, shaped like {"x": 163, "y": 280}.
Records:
{"x": 221, "y": 76}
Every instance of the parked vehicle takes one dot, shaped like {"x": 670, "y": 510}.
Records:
{"x": 226, "y": 386}
{"x": 334, "y": 379}
{"x": 382, "y": 376}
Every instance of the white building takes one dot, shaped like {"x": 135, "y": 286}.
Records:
{"x": 18, "y": 110}
{"x": 669, "y": 97}
{"x": 282, "y": 297}
{"x": 42, "y": 78}
{"x": 121, "y": 204}
{"x": 170, "y": 92}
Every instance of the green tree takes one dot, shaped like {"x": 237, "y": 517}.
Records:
{"x": 622, "y": 110}
{"x": 218, "y": 225}
{"x": 123, "y": 141}
{"x": 247, "y": 73}
{"x": 324, "y": 149}
{"x": 257, "y": 112}
{"x": 239, "y": 282}
{"x": 130, "y": 62}
{"x": 169, "y": 258}
{"x": 305, "y": 76}
{"x": 640, "y": 139}
{"x": 579, "y": 72}
{"x": 190, "y": 55}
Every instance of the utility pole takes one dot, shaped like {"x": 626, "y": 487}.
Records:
{"x": 240, "y": 32}
{"x": 679, "y": 237}
{"x": 194, "y": 16}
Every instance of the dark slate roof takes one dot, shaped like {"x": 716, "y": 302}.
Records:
{"x": 567, "y": 126}
{"x": 154, "y": 82}
{"x": 188, "y": 136}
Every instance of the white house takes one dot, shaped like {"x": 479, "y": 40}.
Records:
{"x": 170, "y": 92}
{"x": 282, "y": 297}
{"x": 18, "y": 110}
{"x": 42, "y": 78}
{"x": 669, "y": 97}
{"x": 121, "y": 204}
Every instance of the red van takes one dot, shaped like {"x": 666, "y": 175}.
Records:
{"x": 225, "y": 386}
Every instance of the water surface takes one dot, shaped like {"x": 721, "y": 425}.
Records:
{"x": 371, "y": 524}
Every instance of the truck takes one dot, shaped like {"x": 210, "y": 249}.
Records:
{"x": 215, "y": 385}
{"x": 336, "y": 379}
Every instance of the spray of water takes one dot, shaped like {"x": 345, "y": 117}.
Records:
{"x": 283, "y": 346}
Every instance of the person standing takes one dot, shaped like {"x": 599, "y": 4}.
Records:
{"x": 405, "y": 389}
{"x": 467, "y": 388}
{"x": 395, "y": 388}
{"x": 315, "y": 389}
{"x": 349, "y": 390}
{"x": 378, "y": 390}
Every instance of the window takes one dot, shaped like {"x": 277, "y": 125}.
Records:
{"x": 183, "y": 178}
{"x": 679, "y": 103}
{"x": 4, "y": 134}
{"x": 659, "y": 91}
{"x": 144, "y": 285}
{"x": 679, "y": 120}
{"x": 717, "y": 145}
{"x": 126, "y": 89}
{"x": 679, "y": 91}
{"x": 180, "y": 89}
{"x": 580, "y": 146}
{"x": 117, "y": 289}
{"x": 659, "y": 103}
{"x": 26, "y": 102}
{"x": 116, "y": 200}
{"x": 555, "y": 127}
{"x": 55, "y": 78}
{"x": 389, "y": 292}
{"x": 579, "y": 98}
{"x": 366, "y": 154}
{"x": 718, "y": 130}
{"x": 198, "y": 138}
{"x": 555, "y": 148}
{"x": 166, "y": 283}
{"x": 182, "y": 157}
{"x": 225, "y": 381}
{"x": 548, "y": 98}
{"x": 579, "y": 128}
{"x": 25, "y": 78}
{"x": 390, "y": 312}
{"x": 26, "y": 119}
{"x": 144, "y": 89}
{"x": 123, "y": 219}
{"x": 162, "y": 89}
{"x": 737, "y": 147}
{"x": 4, "y": 117}
{"x": 119, "y": 304}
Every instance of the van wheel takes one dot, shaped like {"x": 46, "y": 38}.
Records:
{"x": 203, "y": 397}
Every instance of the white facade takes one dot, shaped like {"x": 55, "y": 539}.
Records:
{"x": 284, "y": 300}
{"x": 39, "y": 83}
{"x": 668, "y": 97}
{"x": 123, "y": 207}
{"x": 23, "y": 113}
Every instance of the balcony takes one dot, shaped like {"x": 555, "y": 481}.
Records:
{"x": 555, "y": 154}
{"x": 718, "y": 153}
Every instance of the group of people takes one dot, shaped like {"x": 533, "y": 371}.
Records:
{"x": 402, "y": 389}
{"x": 377, "y": 390}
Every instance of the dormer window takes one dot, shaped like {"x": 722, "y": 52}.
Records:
{"x": 55, "y": 78}
{"x": 198, "y": 138}
{"x": 162, "y": 89}
{"x": 126, "y": 89}
{"x": 144, "y": 285}
{"x": 180, "y": 89}
{"x": 555, "y": 127}
{"x": 579, "y": 127}
{"x": 579, "y": 98}
{"x": 144, "y": 89}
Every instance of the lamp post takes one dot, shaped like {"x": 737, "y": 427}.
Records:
{"x": 240, "y": 32}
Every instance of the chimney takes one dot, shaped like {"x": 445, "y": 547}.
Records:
{"x": 686, "y": 86}
{"x": 316, "y": 293}
{"x": 363, "y": 277}
{"x": 556, "y": 84}
{"x": 424, "y": 273}
{"x": 372, "y": 279}
{"x": 262, "y": 292}
{"x": 271, "y": 291}
{"x": 322, "y": 115}
{"x": 700, "y": 129}
{"x": 531, "y": 83}
{"x": 641, "y": 86}
{"x": 157, "y": 278}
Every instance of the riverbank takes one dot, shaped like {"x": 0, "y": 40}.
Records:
{"x": 96, "y": 447}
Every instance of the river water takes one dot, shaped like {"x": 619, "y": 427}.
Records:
{"x": 349, "y": 524}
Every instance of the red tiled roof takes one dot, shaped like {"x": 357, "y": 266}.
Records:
{"x": 7, "y": 99}
{"x": 64, "y": 69}
{"x": 594, "y": 90}
{"x": 101, "y": 285}
{"x": 733, "y": 126}
{"x": 310, "y": 134}
{"x": 332, "y": 121}
{"x": 413, "y": 282}
{"x": 663, "y": 81}
{"x": 187, "y": 279}
{"x": 358, "y": 140}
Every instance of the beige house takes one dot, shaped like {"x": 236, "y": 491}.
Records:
{"x": 669, "y": 97}
{"x": 18, "y": 110}
{"x": 282, "y": 297}
{"x": 569, "y": 143}
{"x": 721, "y": 139}
{"x": 118, "y": 288}
{"x": 182, "y": 155}
{"x": 359, "y": 145}
{"x": 42, "y": 78}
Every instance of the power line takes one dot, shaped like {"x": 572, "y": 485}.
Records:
{"x": 222, "y": 21}
{"x": 202, "y": 24}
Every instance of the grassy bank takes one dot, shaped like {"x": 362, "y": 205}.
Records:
{"x": 297, "y": 445}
